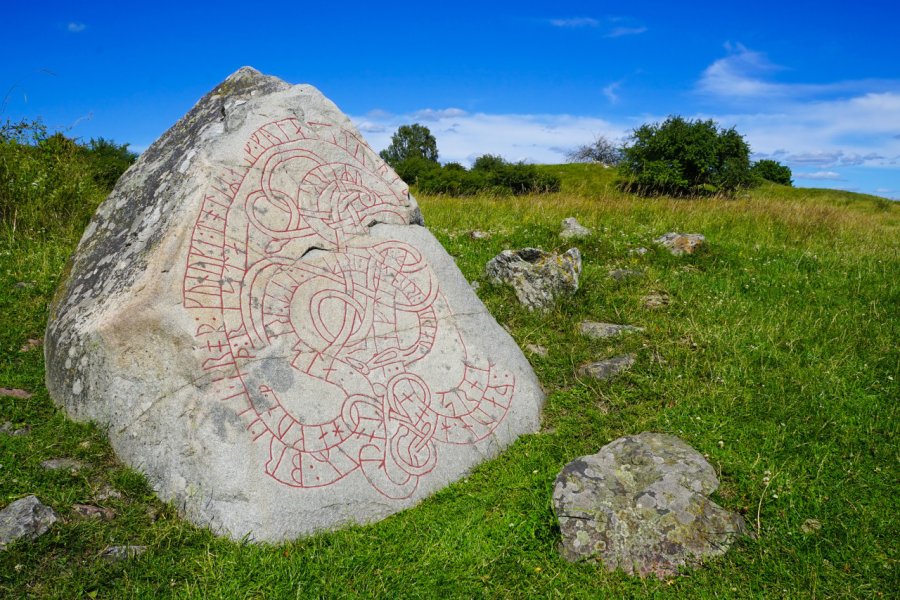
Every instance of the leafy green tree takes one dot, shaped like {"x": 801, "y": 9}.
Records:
{"x": 410, "y": 141}
{"x": 772, "y": 170}
{"x": 686, "y": 157}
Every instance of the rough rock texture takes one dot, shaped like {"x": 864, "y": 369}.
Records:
{"x": 119, "y": 553}
{"x": 25, "y": 518}
{"x": 261, "y": 323}
{"x": 571, "y": 228}
{"x": 607, "y": 368}
{"x": 681, "y": 243}
{"x": 640, "y": 504}
{"x": 656, "y": 300}
{"x": 597, "y": 331}
{"x": 55, "y": 464}
{"x": 623, "y": 274}
{"x": 537, "y": 277}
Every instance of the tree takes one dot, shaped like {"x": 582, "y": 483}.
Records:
{"x": 600, "y": 151}
{"x": 685, "y": 158}
{"x": 772, "y": 170}
{"x": 410, "y": 141}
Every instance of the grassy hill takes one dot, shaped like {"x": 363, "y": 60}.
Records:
{"x": 777, "y": 356}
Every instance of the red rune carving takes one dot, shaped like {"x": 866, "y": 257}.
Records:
{"x": 320, "y": 335}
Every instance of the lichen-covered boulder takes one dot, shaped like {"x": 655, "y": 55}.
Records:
{"x": 260, "y": 321}
{"x": 640, "y": 504}
{"x": 537, "y": 277}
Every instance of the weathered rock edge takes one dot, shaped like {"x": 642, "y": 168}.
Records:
{"x": 116, "y": 355}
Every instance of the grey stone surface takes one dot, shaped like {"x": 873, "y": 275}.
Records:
{"x": 681, "y": 243}
{"x": 597, "y": 330}
{"x": 94, "y": 512}
{"x": 571, "y": 228}
{"x": 55, "y": 464}
{"x": 640, "y": 251}
{"x": 656, "y": 300}
{"x": 479, "y": 235}
{"x": 607, "y": 368}
{"x": 8, "y": 429}
{"x": 640, "y": 504}
{"x": 25, "y": 518}
{"x": 623, "y": 274}
{"x": 119, "y": 553}
{"x": 263, "y": 325}
{"x": 537, "y": 277}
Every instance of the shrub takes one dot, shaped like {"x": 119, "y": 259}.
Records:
{"x": 685, "y": 158}
{"x": 491, "y": 174}
{"x": 600, "y": 151}
{"x": 410, "y": 141}
{"x": 772, "y": 170}
{"x": 51, "y": 183}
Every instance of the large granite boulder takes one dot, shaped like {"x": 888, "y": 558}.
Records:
{"x": 260, "y": 321}
{"x": 640, "y": 504}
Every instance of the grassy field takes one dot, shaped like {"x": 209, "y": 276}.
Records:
{"x": 777, "y": 357}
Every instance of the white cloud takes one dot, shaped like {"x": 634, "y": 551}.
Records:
{"x": 463, "y": 136}
{"x": 575, "y": 22}
{"x": 610, "y": 92}
{"x": 623, "y": 31}
{"x": 819, "y": 175}
{"x": 74, "y": 27}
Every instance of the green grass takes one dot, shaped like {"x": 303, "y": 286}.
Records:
{"x": 780, "y": 342}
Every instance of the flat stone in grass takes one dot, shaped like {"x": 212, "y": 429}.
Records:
{"x": 15, "y": 393}
{"x": 681, "y": 243}
{"x": 25, "y": 518}
{"x": 260, "y": 320}
{"x": 56, "y": 464}
{"x": 94, "y": 512}
{"x": 120, "y": 553}
{"x": 640, "y": 504}
{"x": 623, "y": 274}
{"x": 598, "y": 331}
{"x": 571, "y": 228}
{"x": 607, "y": 368}
{"x": 656, "y": 300}
{"x": 537, "y": 350}
{"x": 537, "y": 277}
{"x": 479, "y": 235}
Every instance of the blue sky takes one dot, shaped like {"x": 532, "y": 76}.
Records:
{"x": 815, "y": 85}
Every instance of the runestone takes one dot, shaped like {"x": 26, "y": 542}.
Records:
{"x": 276, "y": 340}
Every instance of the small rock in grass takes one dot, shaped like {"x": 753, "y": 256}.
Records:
{"x": 595, "y": 330}
{"x": 31, "y": 344}
{"x": 94, "y": 512}
{"x": 55, "y": 464}
{"x": 474, "y": 285}
{"x": 479, "y": 235}
{"x": 25, "y": 518}
{"x": 638, "y": 251}
{"x": 535, "y": 349}
{"x": 640, "y": 504}
{"x": 656, "y": 300}
{"x": 681, "y": 243}
{"x": 571, "y": 228}
{"x": 25, "y": 284}
{"x": 118, "y": 553}
{"x": 15, "y": 393}
{"x": 607, "y": 368}
{"x": 108, "y": 492}
{"x": 810, "y": 526}
{"x": 621, "y": 274}
{"x": 7, "y": 429}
